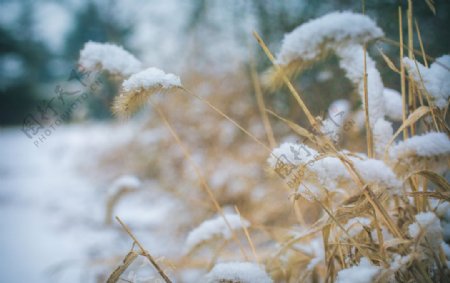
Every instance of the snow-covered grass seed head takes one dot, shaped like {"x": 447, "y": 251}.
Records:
{"x": 108, "y": 57}
{"x": 140, "y": 86}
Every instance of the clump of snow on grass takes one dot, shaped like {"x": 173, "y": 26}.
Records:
{"x": 352, "y": 62}
{"x": 436, "y": 79}
{"x": 128, "y": 182}
{"x": 214, "y": 228}
{"x": 382, "y": 133}
{"x": 377, "y": 172}
{"x": 108, "y": 57}
{"x": 398, "y": 262}
{"x": 427, "y": 145}
{"x": 149, "y": 79}
{"x": 293, "y": 153}
{"x": 364, "y": 272}
{"x": 393, "y": 104}
{"x": 428, "y": 224}
{"x": 242, "y": 272}
{"x": 356, "y": 225}
{"x": 310, "y": 40}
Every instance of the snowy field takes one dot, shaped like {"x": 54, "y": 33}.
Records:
{"x": 53, "y": 213}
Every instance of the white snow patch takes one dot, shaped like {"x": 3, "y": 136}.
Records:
{"x": 364, "y": 272}
{"x": 427, "y": 145}
{"x": 213, "y": 228}
{"x": 435, "y": 79}
{"x": 242, "y": 272}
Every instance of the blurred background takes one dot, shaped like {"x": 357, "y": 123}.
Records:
{"x": 55, "y": 187}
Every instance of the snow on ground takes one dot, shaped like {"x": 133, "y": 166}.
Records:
{"x": 52, "y": 214}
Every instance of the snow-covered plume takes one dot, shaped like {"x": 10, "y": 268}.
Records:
{"x": 435, "y": 80}
{"x": 364, "y": 272}
{"x": 108, "y": 57}
{"x": 315, "y": 38}
{"x": 237, "y": 272}
{"x": 214, "y": 228}
{"x": 428, "y": 225}
{"x": 140, "y": 86}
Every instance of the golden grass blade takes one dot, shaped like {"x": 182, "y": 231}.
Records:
{"x": 437, "y": 179}
{"x": 402, "y": 74}
{"x": 127, "y": 261}
{"x": 422, "y": 49}
{"x": 430, "y": 4}
{"x": 221, "y": 113}
{"x": 262, "y": 106}
{"x": 247, "y": 235}
{"x": 293, "y": 91}
{"x": 436, "y": 195}
{"x": 369, "y": 138}
{"x": 388, "y": 61}
{"x": 296, "y": 128}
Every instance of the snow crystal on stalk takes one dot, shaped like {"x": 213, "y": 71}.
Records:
{"x": 428, "y": 224}
{"x": 427, "y": 145}
{"x": 364, "y": 272}
{"x": 310, "y": 40}
{"x": 242, "y": 272}
{"x": 214, "y": 228}
{"x": 435, "y": 79}
{"x": 108, "y": 57}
